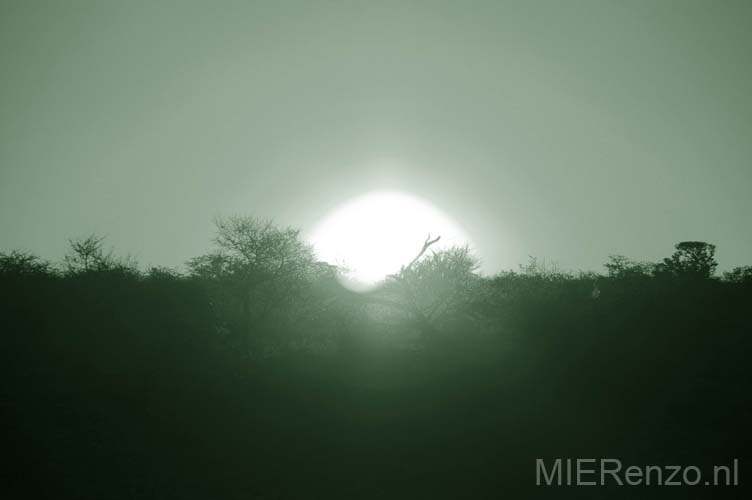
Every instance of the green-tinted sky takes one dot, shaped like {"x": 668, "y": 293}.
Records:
{"x": 566, "y": 130}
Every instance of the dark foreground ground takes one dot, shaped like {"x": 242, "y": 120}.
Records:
{"x": 121, "y": 390}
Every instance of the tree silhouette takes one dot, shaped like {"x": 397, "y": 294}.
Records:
{"x": 431, "y": 288}
{"x": 691, "y": 259}
{"x": 621, "y": 267}
{"x": 19, "y": 263}
{"x": 257, "y": 268}
{"x": 741, "y": 274}
{"x": 86, "y": 254}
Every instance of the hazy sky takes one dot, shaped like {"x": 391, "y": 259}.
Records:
{"x": 565, "y": 130}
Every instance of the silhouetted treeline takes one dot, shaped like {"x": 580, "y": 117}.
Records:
{"x": 255, "y": 374}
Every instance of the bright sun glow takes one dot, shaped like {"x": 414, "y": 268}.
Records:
{"x": 374, "y": 234}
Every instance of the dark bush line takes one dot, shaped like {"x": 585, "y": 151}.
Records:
{"x": 126, "y": 384}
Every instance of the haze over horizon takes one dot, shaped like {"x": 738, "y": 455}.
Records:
{"x": 566, "y": 131}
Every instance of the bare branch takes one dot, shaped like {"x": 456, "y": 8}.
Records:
{"x": 426, "y": 244}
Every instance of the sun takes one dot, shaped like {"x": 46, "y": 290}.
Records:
{"x": 373, "y": 235}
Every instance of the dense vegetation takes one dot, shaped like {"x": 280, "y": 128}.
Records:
{"x": 256, "y": 375}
